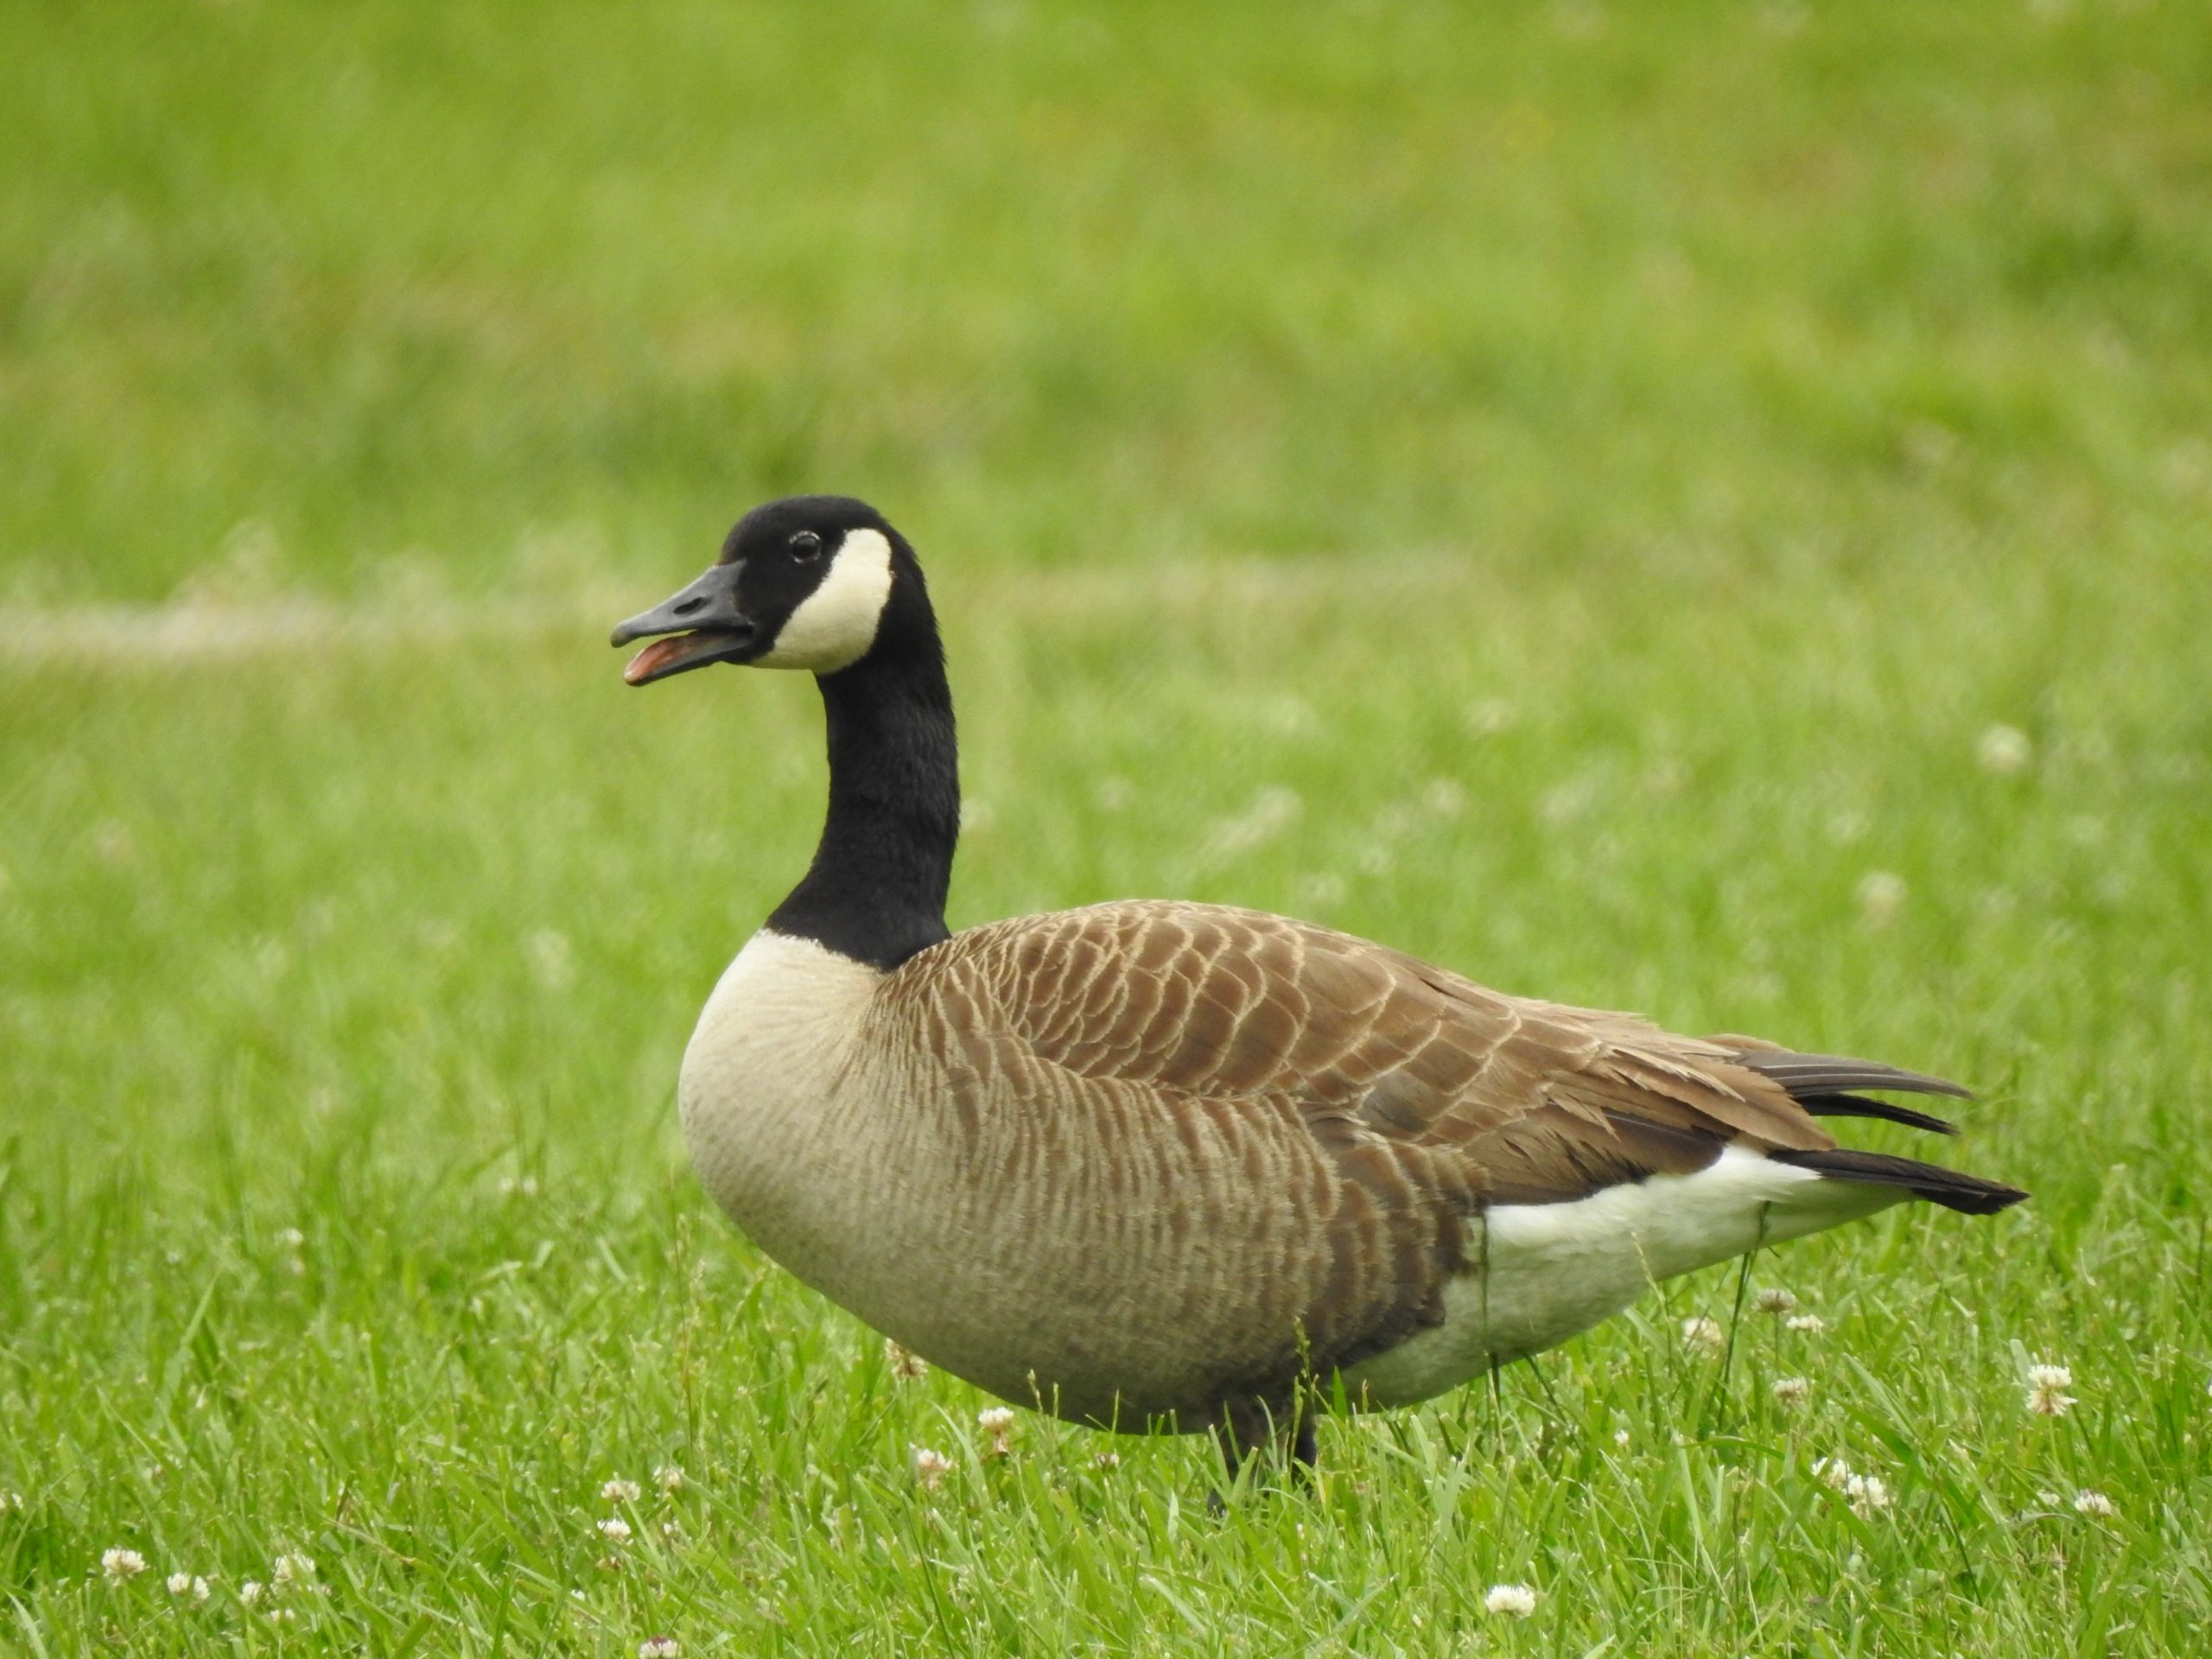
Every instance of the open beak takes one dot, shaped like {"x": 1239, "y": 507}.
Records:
{"x": 701, "y": 625}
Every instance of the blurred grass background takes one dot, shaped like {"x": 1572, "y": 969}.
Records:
{"x": 1702, "y": 284}
{"x": 1706, "y": 509}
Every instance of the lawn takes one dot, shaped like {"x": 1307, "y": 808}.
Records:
{"x": 1705, "y": 511}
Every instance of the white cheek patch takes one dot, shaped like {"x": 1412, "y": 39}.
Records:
{"x": 836, "y": 624}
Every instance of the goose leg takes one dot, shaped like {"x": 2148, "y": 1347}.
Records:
{"x": 1244, "y": 1433}
{"x": 1252, "y": 1428}
{"x": 1305, "y": 1447}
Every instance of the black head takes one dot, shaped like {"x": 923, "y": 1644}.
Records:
{"x": 814, "y": 581}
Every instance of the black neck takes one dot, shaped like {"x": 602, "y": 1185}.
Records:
{"x": 875, "y": 891}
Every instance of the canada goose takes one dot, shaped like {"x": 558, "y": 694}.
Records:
{"x": 1159, "y": 1162}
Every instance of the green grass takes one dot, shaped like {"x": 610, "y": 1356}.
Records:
{"x": 1560, "y": 491}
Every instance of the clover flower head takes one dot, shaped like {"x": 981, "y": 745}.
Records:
{"x": 997, "y": 1422}
{"x": 2004, "y": 751}
{"x": 1867, "y": 1493}
{"x": 931, "y": 1468}
{"x": 1514, "y": 1600}
{"x": 2047, "y": 1386}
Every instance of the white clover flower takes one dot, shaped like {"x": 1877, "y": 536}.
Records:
{"x": 552, "y": 958}
{"x": 2004, "y": 751}
{"x": 905, "y": 1364}
{"x": 249, "y": 1592}
{"x": 1488, "y": 716}
{"x": 659, "y": 1647}
{"x": 1867, "y": 1493}
{"x": 1775, "y": 1302}
{"x": 1516, "y": 1600}
{"x": 1882, "y": 893}
{"x": 997, "y": 1422}
{"x": 282, "y": 1615}
{"x": 292, "y": 1569}
{"x": 669, "y": 1477}
{"x": 1792, "y": 1390}
{"x": 2095, "y": 1504}
{"x": 1272, "y": 811}
{"x": 1810, "y": 1325}
{"x": 1621, "y": 1437}
{"x": 117, "y": 1565}
{"x": 620, "y": 1491}
{"x": 614, "y": 1529}
{"x": 931, "y": 1468}
{"x": 1445, "y": 797}
{"x": 1321, "y": 888}
{"x": 2047, "y": 1386}
{"x": 1700, "y": 1331}
{"x": 186, "y": 1585}
{"x": 1290, "y": 715}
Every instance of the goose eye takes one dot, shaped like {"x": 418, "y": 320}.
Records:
{"x": 806, "y": 545}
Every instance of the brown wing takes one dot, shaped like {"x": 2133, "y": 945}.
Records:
{"x": 1395, "y": 1099}
{"x": 1532, "y": 1102}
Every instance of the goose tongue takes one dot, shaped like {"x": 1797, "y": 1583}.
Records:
{"x": 658, "y": 655}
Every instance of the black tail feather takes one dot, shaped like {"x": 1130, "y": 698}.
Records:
{"x": 1829, "y": 1074}
{"x": 1859, "y": 1106}
{"x": 1951, "y": 1188}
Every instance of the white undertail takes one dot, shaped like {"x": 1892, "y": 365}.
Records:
{"x": 1540, "y": 1272}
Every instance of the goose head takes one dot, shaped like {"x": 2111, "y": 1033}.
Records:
{"x": 812, "y": 581}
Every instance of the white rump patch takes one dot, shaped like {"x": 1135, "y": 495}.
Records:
{"x": 836, "y": 624}
{"x": 1540, "y": 1272}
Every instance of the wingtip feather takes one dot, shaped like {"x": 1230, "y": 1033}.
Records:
{"x": 1829, "y": 1074}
